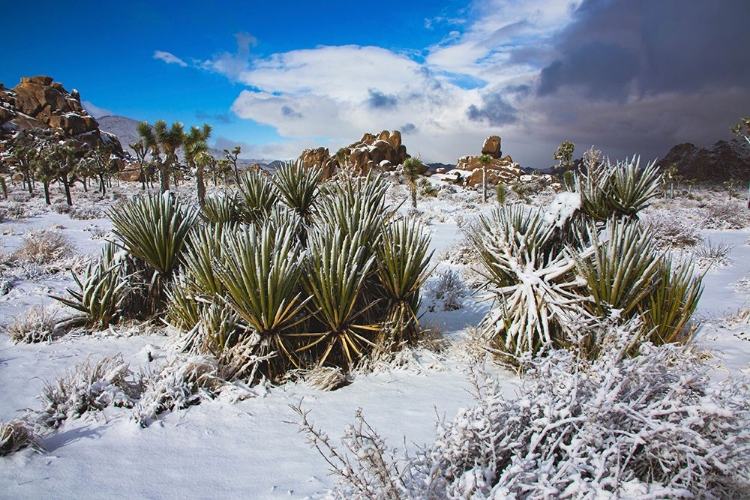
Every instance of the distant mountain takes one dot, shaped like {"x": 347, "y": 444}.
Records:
{"x": 723, "y": 161}
{"x": 126, "y": 129}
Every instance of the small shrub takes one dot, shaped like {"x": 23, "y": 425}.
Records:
{"x": 650, "y": 426}
{"x": 729, "y": 215}
{"x": 61, "y": 208}
{"x": 501, "y": 194}
{"x": 42, "y": 246}
{"x": 36, "y": 325}
{"x": 16, "y": 435}
{"x": 16, "y": 211}
{"x": 85, "y": 212}
{"x": 426, "y": 188}
{"x": 710, "y": 254}
{"x": 448, "y": 288}
{"x": 672, "y": 228}
{"x": 88, "y": 388}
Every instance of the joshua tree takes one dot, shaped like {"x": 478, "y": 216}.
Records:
{"x": 412, "y": 169}
{"x": 742, "y": 129}
{"x": 196, "y": 147}
{"x": 484, "y": 160}
{"x": 99, "y": 161}
{"x": 232, "y": 156}
{"x": 151, "y": 145}
{"x": 564, "y": 154}
{"x": 140, "y": 150}
{"x": 163, "y": 140}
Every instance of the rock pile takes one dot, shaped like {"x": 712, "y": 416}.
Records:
{"x": 721, "y": 162}
{"x": 382, "y": 152}
{"x": 38, "y": 102}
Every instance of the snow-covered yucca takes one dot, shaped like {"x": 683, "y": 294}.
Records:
{"x": 257, "y": 196}
{"x": 102, "y": 290}
{"x": 649, "y": 426}
{"x": 220, "y": 208}
{"x": 88, "y": 387}
{"x": 531, "y": 276}
{"x": 298, "y": 187}
{"x": 620, "y": 189}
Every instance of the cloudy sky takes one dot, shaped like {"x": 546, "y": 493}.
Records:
{"x": 629, "y": 76}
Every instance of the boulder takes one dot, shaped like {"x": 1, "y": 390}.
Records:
{"x": 321, "y": 158}
{"x": 491, "y": 146}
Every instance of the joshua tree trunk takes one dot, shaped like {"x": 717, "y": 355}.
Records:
{"x": 413, "y": 189}
{"x": 200, "y": 185}
{"x": 163, "y": 178}
{"x": 46, "y": 192}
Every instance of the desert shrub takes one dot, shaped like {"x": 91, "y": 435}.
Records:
{"x": 523, "y": 190}
{"x": 728, "y": 215}
{"x": 15, "y": 210}
{"x": 712, "y": 254}
{"x": 617, "y": 190}
{"x": 87, "y": 212}
{"x": 16, "y": 435}
{"x": 672, "y": 228}
{"x": 501, "y": 194}
{"x": 448, "y": 288}
{"x": 650, "y": 426}
{"x": 88, "y": 388}
{"x": 43, "y": 246}
{"x": 426, "y": 188}
{"x": 35, "y": 325}
{"x": 61, "y": 208}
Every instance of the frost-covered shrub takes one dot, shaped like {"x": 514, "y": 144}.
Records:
{"x": 448, "y": 288}
{"x": 35, "y": 325}
{"x": 180, "y": 384}
{"x": 672, "y": 228}
{"x": 86, "y": 212}
{"x": 649, "y": 426}
{"x": 727, "y": 215}
{"x": 88, "y": 387}
{"x": 16, "y": 435}
{"x": 712, "y": 254}
{"x": 43, "y": 246}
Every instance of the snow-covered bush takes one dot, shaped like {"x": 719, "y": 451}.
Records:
{"x": 727, "y": 215}
{"x": 16, "y": 435}
{"x": 43, "y": 246}
{"x": 182, "y": 383}
{"x": 36, "y": 325}
{"x": 649, "y": 426}
{"x": 712, "y": 254}
{"x": 672, "y": 228}
{"x": 448, "y": 289}
{"x": 88, "y": 387}
{"x": 85, "y": 212}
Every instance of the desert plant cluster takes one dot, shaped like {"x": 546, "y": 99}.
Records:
{"x": 284, "y": 277}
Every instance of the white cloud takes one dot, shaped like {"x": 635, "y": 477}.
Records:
{"x": 169, "y": 58}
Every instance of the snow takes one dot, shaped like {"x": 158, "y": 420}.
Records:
{"x": 252, "y": 448}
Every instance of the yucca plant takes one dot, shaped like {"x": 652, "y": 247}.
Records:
{"x": 621, "y": 268}
{"x": 257, "y": 196}
{"x": 154, "y": 229}
{"x": 298, "y": 187}
{"x": 403, "y": 267}
{"x": 260, "y": 270}
{"x": 337, "y": 266}
{"x": 672, "y": 302}
{"x": 617, "y": 190}
{"x": 536, "y": 291}
{"x": 102, "y": 291}
{"x": 220, "y": 208}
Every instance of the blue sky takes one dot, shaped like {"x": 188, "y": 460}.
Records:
{"x": 629, "y": 76}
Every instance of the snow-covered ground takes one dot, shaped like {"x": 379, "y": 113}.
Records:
{"x": 252, "y": 448}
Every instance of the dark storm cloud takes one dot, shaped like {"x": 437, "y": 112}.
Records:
{"x": 290, "y": 112}
{"x": 379, "y": 100}
{"x": 494, "y": 110}
{"x": 617, "y": 47}
{"x": 408, "y": 128}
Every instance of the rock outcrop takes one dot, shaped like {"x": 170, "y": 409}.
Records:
{"x": 718, "y": 163}
{"x": 491, "y": 146}
{"x": 382, "y": 152}
{"x": 38, "y": 102}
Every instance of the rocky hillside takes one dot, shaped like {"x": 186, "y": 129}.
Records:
{"x": 718, "y": 163}
{"x": 38, "y": 102}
